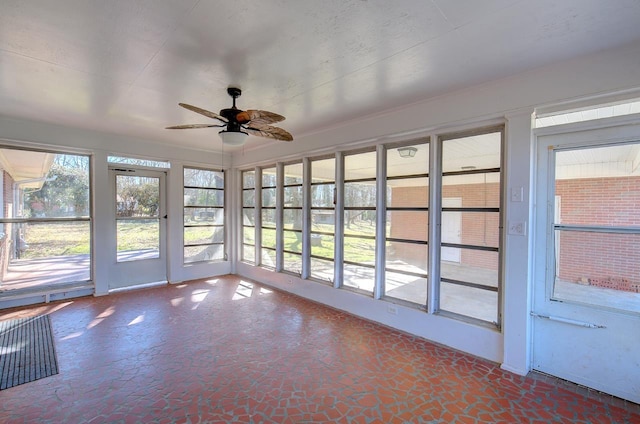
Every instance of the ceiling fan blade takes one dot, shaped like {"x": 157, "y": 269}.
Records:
{"x": 261, "y": 117}
{"x": 269, "y": 131}
{"x": 204, "y": 112}
{"x": 188, "y": 126}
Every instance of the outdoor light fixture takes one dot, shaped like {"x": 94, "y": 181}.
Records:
{"x": 233, "y": 138}
{"x": 407, "y": 152}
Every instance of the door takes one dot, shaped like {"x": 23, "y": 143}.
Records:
{"x": 138, "y": 240}
{"x": 586, "y": 296}
{"x": 451, "y": 228}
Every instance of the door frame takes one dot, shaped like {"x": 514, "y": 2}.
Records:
{"x": 141, "y": 272}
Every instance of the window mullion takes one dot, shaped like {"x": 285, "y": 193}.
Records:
{"x": 381, "y": 221}
{"x": 435, "y": 206}
{"x": 279, "y": 216}
{"x": 338, "y": 270}
{"x": 258, "y": 216}
{"x": 306, "y": 218}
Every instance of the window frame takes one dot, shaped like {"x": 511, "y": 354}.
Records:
{"x": 215, "y": 208}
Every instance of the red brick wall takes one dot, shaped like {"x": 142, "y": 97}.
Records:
{"x": 599, "y": 257}
{"x": 479, "y": 229}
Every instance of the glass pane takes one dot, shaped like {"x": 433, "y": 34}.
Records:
{"x": 360, "y": 223}
{"x": 203, "y": 253}
{"x": 139, "y": 162}
{"x": 248, "y": 198}
{"x": 203, "y": 178}
{"x": 293, "y": 174}
{"x": 469, "y": 301}
{"x": 137, "y": 239}
{"x": 408, "y": 257}
{"x": 60, "y": 187}
{"x": 406, "y": 287}
{"x": 408, "y": 225}
{"x": 292, "y": 263}
{"x": 56, "y": 251}
{"x": 359, "y": 250}
{"x": 322, "y": 269}
{"x": 475, "y": 190}
{"x": 471, "y": 228}
{"x": 293, "y": 241}
{"x": 408, "y": 160}
{"x": 248, "y": 253}
{"x": 203, "y": 197}
{"x": 323, "y": 221}
{"x": 362, "y": 165}
{"x": 359, "y": 277}
{"x": 248, "y": 235}
{"x": 322, "y": 196}
{"x": 598, "y": 269}
{"x": 269, "y": 238}
{"x": 598, "y": 186}
{"x": 323, "y": 170}
{"x": 248, "y": 179}
{"x": 269, "y": 197}
{"x": 268, "y": 258}
{"x": 293, "y": 196}
{"x": 201, "y": 235}
{"x": 322, "y": 245}
{"x": 248, "y": 216}
{"x": 480, "y": 151}
{"x": 360, "y": 194}
{"x": 137, "y": 196}
{"x": 269, "y": 177}
{"x": 405, "y": 193}
{"x": 203, "y": 216}
{"x": 474, "y": 266}
{"x": 269, "y": 218}
{"x": 292, "y": 219}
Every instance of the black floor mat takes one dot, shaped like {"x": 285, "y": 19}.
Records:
{"x": 27, "y": 352}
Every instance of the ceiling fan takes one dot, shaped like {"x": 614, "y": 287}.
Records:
{"x": 239, "y": 123}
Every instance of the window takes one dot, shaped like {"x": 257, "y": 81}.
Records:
{"x": 406, "y": 250}
{"x": 203, "y": 215}
{"x": 470, "y": 224}
{"x": 248, "y": 253}
{"x": 138, "y": 162}
{"x": 45, "y": 225}
{"x": 359, "y": 220}
{"x": 596, "y": 228}
{"x": 323, "y": 212}
{"x": 292, "y": 218}
{"x": 588, "y": 114}
{"x": 268, "y": 222}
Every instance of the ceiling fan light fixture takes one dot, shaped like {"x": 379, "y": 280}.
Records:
{"x": 233, "y": 138}
{"x": 407, "y": 152}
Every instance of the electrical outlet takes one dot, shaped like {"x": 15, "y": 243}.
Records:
{"x": 517, "y": 194}
{"x": 518, "y": 228}
{"x": 392, "y": 309}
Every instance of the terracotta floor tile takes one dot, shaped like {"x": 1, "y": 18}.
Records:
{"x": 196, "y": 353}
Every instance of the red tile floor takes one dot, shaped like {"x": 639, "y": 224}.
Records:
{"x": 227, "y": 350}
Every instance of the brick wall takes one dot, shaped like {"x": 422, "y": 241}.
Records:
{"x": 600, "y": 259}
{"x": 480, "y": 229}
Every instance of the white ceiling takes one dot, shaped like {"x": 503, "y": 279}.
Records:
{"x": 121, "y": 66}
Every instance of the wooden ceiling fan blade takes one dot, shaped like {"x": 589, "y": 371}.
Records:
{"x": 189, "y": 126}
{"x": 270, "y": 132}
{"x": 204, "y": 112}
{"x": 261, "y": 117}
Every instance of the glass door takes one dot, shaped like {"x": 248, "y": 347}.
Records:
{"x": 139, "y": 241}
{"x": 587, "y": 287}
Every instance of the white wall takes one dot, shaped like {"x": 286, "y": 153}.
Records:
{"x": 512, "y": 100}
